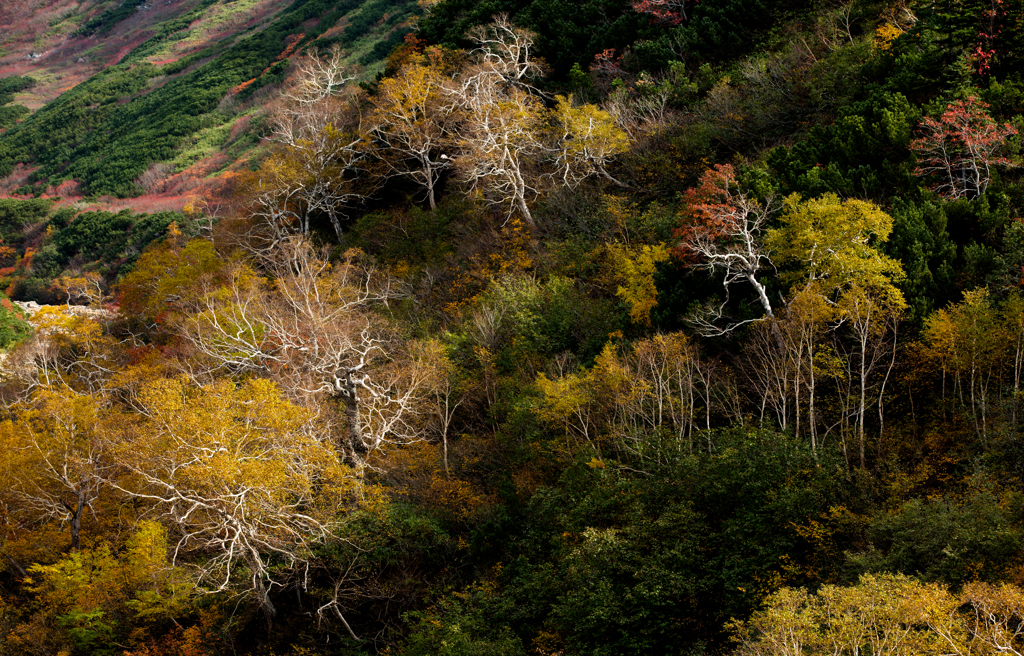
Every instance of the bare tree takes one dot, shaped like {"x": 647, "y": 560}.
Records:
{"x": 508, "y": 139}
{"x": 501, "y": 144}
{"x": 767, "y": 364}
{"x": 313, "y": 330}
{"x": 447, "y": 392}
{"x": 504, "y": 133}
{"x": 321, "y": 150}
{"x": 505, "y": 51}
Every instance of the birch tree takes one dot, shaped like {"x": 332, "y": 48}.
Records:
{"x": 245, "y": 484}
{"x": 56, "y": 457}
{"x": 871, "y": 316}
{"x": 960, "y": 149}
{"x": 415, "y": 121}
{"x": 965, "y": 339}
{"x": 501, "y": 145}
{"x": 725, "y": 234}
{"x": 828, "y": 247}
{"x": 320, "y": 153}
{"x": 508, "y": 139}
{"x": 587, "y": 143}
{"x": 311, "y": 327}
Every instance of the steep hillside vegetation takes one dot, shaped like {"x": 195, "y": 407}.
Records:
{"x": 595, "y": 328}
{"x": 158, "y": 104}
{"x": 181, "y": 76}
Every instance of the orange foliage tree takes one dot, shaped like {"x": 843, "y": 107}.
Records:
{"x": 725, "y": 233}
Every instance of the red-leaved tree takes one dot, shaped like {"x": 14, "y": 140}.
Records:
{"x": 960, "y": 149}
{"x": 725, "y": 233}
{"x": 664, "y": 12}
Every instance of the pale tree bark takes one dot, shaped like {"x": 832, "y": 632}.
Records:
{"x": 314, "y": 332}
{"x": 503, "y": 133}
{"x": 727, "y": 237}
{"x": 321, "y": 151}
{"x": 58, "y": 458}
{"x": 244, "y": 478}
{"x": 415, "y": 121}
{"x": 500, "y": 143}
{"x": 872, "y": 317}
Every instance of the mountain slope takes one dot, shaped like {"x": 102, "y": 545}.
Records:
{"x": 168, "y": 77}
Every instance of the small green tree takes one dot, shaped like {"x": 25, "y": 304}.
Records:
{"x": 13, "y": 324}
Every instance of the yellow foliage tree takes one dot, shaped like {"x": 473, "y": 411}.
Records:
{"x": 831, "y": 242}
{"x": 588, "y": 142}
{"x": 320, "y": 147}
{"x": 967, "y": 341}
{"x": 570, "y": 402}
{"x": 137, "y": 579}
{"x": 311, "y": 328}
{"x": 240, "y": 475}
{"x": 886, "y": 614}
{"x": 872, "y": 315}
{"x": 651, "y": 391}
{"x": 414, "y": 119}
{"x": 57, "y": 457}
{"x": 86, "y": 289}
{"x": 168, "y": 278}
{"x": 635, "y": 268}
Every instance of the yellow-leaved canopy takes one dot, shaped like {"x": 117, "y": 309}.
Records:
{"x": 240, "y": 474}
{"x": 832, "y": 242}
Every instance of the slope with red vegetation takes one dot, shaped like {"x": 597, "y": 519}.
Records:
{"x": 40, "y": 39}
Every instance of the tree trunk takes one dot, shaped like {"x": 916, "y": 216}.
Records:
{"x": 16, "y": 565}
{"x": 881, "y": 391}
{"x": 811, "y": 417}
{"x": 521, "y": 202}
{"x": 607, "y": 176}
{"x": 349, "y": 392}
{"x": 762, "y": 296}
{"x": 266, "y": 606}
{"x": 336, "y": 223}
{"x": 428, "y": 172}
{"x": 863, "y": 400}
{"x": 76, "y": 518}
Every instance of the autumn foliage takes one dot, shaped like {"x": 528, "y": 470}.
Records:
{"x": 961, "y": 149}
{"x": 716, "y": 348}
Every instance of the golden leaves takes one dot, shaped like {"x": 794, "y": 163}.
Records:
{"x": 635, "y": 268}
{"x": 886, "y": 613}
{"x": 832, "y": 240}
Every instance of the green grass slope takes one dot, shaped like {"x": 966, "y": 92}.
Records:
{"x": 105, "y": 132}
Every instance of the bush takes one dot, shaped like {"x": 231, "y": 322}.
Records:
{"x": 946, "y": 539}
{"x": 13, "y": 324}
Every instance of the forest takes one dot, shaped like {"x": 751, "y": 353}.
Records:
{"x": 687, "y": 327}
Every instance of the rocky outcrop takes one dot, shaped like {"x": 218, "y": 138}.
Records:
{"x": 97, "y": 313}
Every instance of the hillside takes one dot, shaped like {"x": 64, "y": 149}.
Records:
{"x": 515, "y": 327}
{"x": 150, "y": 107}
{"x": 119, "y": 87}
